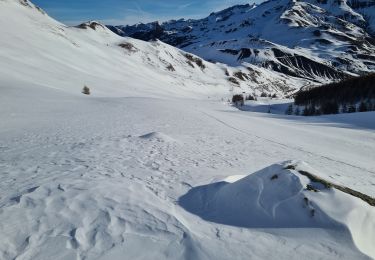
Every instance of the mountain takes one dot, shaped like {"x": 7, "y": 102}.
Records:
{"x": 315, "y": 40}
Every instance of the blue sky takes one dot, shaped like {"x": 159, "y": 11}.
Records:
{"x": 131, "y": 11}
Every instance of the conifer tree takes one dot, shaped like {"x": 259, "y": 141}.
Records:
{"x": 289, "y": 110}
{"x": 297, "y": 112}
{"x": 86, "y": 90}
{"x": 362, "y": 107}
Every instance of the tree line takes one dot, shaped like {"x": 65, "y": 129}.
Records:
{"x": 355, "y": 94}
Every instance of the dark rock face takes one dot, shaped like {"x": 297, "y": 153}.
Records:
{"x": 245, "y": 53}
{"x": 306, "y": 67}
{"x": 92, "y": 25}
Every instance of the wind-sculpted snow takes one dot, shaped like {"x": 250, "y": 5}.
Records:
{"x": 102, "y": 179}
{"x": 280, "y": 197}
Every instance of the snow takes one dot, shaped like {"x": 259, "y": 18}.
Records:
{"x": 276, "y": 198}
{"x": 102, "y": 177}
{"x": 323, "y": 32}
{"x": 92, "y": 57}
{"x": 150, "y": 168}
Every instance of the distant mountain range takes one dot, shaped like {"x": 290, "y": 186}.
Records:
{"x": 313, "y": 40}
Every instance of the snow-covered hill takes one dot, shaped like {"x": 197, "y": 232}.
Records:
{"x": 44, "y": 51}
{"x": 39, "y": 50}
{"x": 320, "y": 41}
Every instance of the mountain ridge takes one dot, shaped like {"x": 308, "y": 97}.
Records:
{"x": 316, "y": 40}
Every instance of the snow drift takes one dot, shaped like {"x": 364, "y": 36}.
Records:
{"x": 281, "y": 197}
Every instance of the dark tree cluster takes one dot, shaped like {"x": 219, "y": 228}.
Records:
{"x": 251, "y": 97}
{"x": 264, "y": 95}
{"x": 348, "y": 96}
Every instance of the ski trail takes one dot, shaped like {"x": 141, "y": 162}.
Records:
{"x": 285, "y": 145}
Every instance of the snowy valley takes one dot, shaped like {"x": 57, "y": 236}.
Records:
{"x": 156, "y": 164}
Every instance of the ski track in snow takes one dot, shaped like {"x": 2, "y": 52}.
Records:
{"x": 288, "y": 146}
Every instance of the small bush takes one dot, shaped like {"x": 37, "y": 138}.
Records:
{"x": 86, "y": 90}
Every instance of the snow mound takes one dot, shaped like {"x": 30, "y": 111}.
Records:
{"x": 159, "y": 137}
{"x": 284, "y": 197}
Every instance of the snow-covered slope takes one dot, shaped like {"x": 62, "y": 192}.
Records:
{"x": 317, "y": 40}
{"x": 45, "y": 51}
{"x": 37, "y": 49}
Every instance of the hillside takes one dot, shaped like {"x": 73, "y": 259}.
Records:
{"x": 94, "y": 56}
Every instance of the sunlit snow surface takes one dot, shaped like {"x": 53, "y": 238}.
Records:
{"x": 103, "y": 177}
